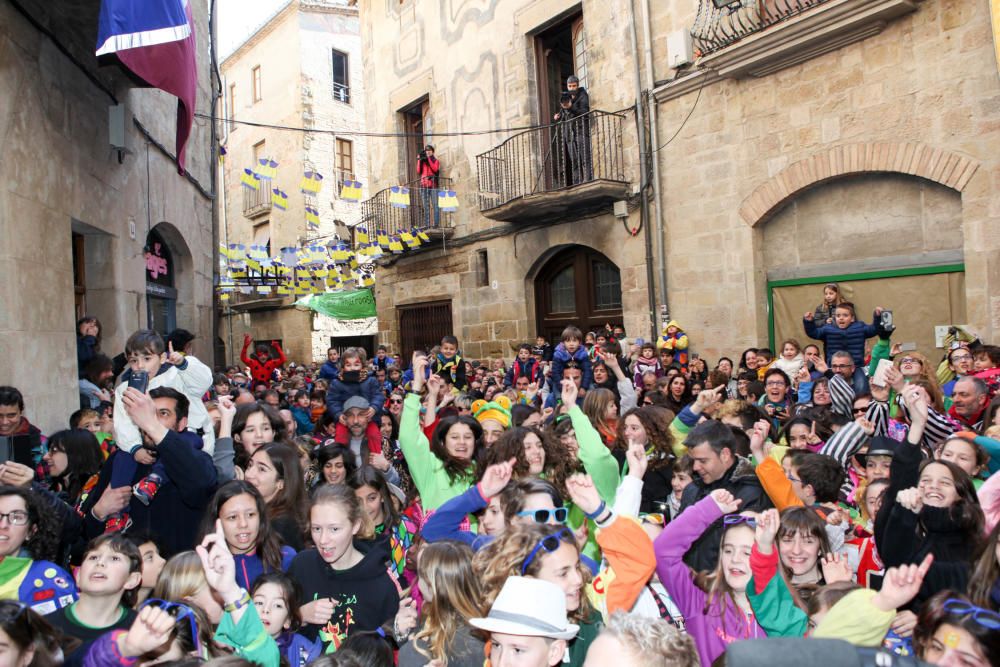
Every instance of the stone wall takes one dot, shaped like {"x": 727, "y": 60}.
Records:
{"x": 60, "y": 175}
{"x": 925, "y": 87}
{"x": 294, "y": 52}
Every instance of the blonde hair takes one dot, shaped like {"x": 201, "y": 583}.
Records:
{"x": 505, "y": 556}
{"x": 927, "y": 369}
{"x": 182, "y": 577}
{"x": 453, "y": 596}
{"x": 652, "y": 642}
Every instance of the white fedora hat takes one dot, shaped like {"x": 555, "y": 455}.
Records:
{"x": 531, "y": 608}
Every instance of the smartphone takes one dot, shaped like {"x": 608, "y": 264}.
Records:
{"x": 907, "y": 347}
{"x": 139, "y": 380}
{"x": 886, "y": 319}
{"x": 879, "y": 378}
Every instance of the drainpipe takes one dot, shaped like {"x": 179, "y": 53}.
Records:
{"x": 640, "y": 117}
{"x": 654, "y": 142}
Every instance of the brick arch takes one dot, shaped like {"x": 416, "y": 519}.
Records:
{"x": 948, "y": 168}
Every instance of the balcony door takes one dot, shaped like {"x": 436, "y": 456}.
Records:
{"x": 578, "y": 286}
{"x": 561, "y": 51}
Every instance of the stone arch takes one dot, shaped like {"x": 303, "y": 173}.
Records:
{"x": 183, "y": 278}
{"x": 593, "y": 284}
{"x": 946, "y": 167}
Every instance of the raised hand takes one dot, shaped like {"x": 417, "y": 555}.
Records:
{"x": 496, "y": 477}
{"x": 16, "y": 474}
{"x": 758, "y": 440}
{"x": 174, "y": 357}
{"x": 219, "y": 565}
{"x": 150, "y": 630}
{"x": 866, "y": 426}
{"x": 418, "y": 366}
{"x": 583, "y": 493}
{"x": 812, "y": 438}
{"x": 708, "y": 398}
{"x": 434, "y": 384}
{"x": 406, "y": 618}
{"x": 819, "y": 363}
{"x": 379, "y": 462}
{"x": 808, "y": 317}
{"x": 766, "y": 530}
{"x": 247, "y": 339}
{"x": 911, "y": 499}
{"x": 880, "y": 394}
{"x": 901, "y": 584}
{"x": 726, "y": 501}
{"x": 637, "y": 461}
{"x": 803, "y": 375}
{"x": 835, "y": 568}
{"x": 569, "y": 393}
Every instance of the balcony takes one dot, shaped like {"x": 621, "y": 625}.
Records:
{"x": 754, "y": 38}
{"x": 257, "y": 203}
{"x": 378, "y": 216}
{"x": 554, "y": 171}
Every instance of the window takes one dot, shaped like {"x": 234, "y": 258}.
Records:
{"x": 422, "y": 325}
{"x": 482, "y": 268}
{"x": 341, "y": 78}
{"x": 258, "y": 153}
{"x": 562, "y": 292}
{"x": 607, "y": 286}
{"x": 255, "y": 83}
{"x": 231, "y": 113}
{"x": 345, "y": 159}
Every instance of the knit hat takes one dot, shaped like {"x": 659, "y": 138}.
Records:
{"x": 498, "y": 410}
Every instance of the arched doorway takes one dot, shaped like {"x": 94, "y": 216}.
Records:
{"x": 577, "y": 286}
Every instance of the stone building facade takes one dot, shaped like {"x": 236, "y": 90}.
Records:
{"x": 87, "y": 228}
{"x": 853, "y": 140}
{"x": 284, "y": 74}
{"x": 469, "y": 67}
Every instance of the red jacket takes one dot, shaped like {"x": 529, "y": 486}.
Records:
{"x": 428, "y": 171}
{"x": 262, "y": 371}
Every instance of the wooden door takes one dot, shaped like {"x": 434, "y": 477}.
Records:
{"x": 579, "y": 287}
{"x": 422, "y": 325}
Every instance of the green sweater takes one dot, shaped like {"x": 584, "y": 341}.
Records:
{"x": 426, "y": 469}
{"x": 249, "y": 638}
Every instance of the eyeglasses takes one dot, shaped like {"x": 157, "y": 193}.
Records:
{"x": 180, "y": 612}
{"x": 984, "y": 617}
{"x": 15, "y": 518}
{"x": 961, "y": 357}
{"x": 542, "y": 516}
{"x": 775, "y": 383}
{"x": 550, "y": 543}
{"x": 737, "y": 519}
{"x": 793, "y": 479}
{"x": 841, "y": 367}
{"x": 396, "y": 401}
{"x": 909, "y": 360}
{"x": 861, "y": 410}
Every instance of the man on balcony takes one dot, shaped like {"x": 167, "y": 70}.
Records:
{"x": 428, "y": 168}
{"x": 577, "y": 115}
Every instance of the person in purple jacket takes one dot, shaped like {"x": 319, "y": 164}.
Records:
{"x": 715, "y": 607}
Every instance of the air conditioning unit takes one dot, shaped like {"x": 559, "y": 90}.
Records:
{"x": 680, "y": 49}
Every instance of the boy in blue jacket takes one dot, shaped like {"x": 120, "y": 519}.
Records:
{"x": 571, "y": 348}
{"x": 524, "y": 365}
{"x": 846, "y": 334}
{"x": 355, "y": 381}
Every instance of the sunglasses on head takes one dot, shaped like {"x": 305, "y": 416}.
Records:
{"x": 550, "y": 543}
{"x": 984, "y": 617}
{"x": 11, "y": 611}
{"x": 180, "y": 612}
{"x": 737, "y": 519}
{"x": 543, "y": 516}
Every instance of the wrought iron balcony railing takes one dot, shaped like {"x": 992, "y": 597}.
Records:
{"x": 379, "y": 216}
{"x": 257, "y": 202}
{"x": 723, "y": 22}
{"x": 556, "y": 157}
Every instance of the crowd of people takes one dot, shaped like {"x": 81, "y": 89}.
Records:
{"x": 602, "y": 501}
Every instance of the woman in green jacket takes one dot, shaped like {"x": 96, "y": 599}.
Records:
{"x": 444, "y": 467}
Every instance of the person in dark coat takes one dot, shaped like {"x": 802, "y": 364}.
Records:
{"x": 712, "y": 446}
{"x": 88, "y": 341}
{"x": 846, "y": 334}
{"x": 330, "y": 371}
{"x": 576, "y": 115}
{"x": 175, "y": 512}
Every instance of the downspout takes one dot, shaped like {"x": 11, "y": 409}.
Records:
{"x": 661, "y": 241}
{"x": 216, "y": 81}
{"x": 640, "y": 117}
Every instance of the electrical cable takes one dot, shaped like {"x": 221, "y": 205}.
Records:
{"x": 686, "y": 118}
{"x": 387, "y": 135}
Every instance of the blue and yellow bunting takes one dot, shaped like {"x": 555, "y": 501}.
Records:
{"x": 266, "y": 169}
{"x": 447, "y": 201}
{"x": 399, "y": 197}
{"x": 250, "y": 180}
{"x": 311, "y": 182}
{"x": 279, "y": 199}
{"x": 350, "y": 190}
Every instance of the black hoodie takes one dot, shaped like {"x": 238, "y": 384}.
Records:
{"x": 367, "y": 595}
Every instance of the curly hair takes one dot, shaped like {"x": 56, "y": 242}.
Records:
{"x": 652, "y": 642}
{"x": 656, "y": 422}
{"x": 505, "y": 556}
{"x": 42, "y": 538}
{"x": 511, "y": 445}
